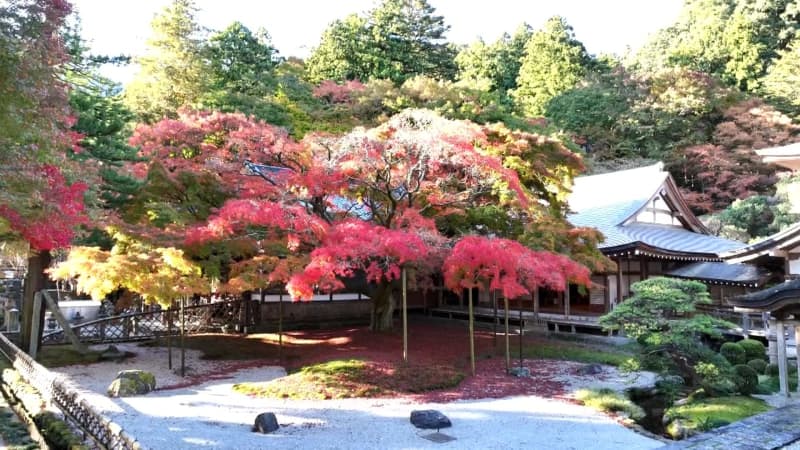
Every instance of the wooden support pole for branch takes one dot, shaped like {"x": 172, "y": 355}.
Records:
{"x": 520, "y": 336}
{"x": 169, "y": 337}
{"x": 471, "y": 333}
{"x": 508, "y": 343}
{"x": 64, "y": 323}
{"x": 280, "y": 327}
{"x": 405, "y": 316}
{"x": 494, "y": 317}
{"x": 183, "y": 334}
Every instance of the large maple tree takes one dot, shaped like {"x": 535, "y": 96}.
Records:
{"x": 257, "y": 209}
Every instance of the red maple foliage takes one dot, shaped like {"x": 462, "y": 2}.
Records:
{"x": 714, "y": 175}
{"x": 334, "y": 92}
{"x": 509, "y": 267}
{"x": 58, "y": 210}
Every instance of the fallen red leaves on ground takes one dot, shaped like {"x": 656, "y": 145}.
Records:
{"x": 430, "y": 342}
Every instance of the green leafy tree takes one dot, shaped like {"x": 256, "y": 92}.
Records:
{"x": 498, "y": 63}
{"x": 554, "y": 62}
{"x": 241, "y": 61}
{"x": 396, "y": 40}
{"x": 172, "y": 72}
{"x": 340, "y": 54}
{"x": 734, "y": 40}
{"x": 595, "y": 113}
{"x": 102, "y": 121}
{"x": 781, "y": 84}
{"x": 753, "y": 215}
{"x": 662, "y": 317}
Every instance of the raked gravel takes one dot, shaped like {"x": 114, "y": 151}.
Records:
{"x": 211, "y": 415}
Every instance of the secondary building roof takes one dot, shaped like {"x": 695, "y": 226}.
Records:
{"x": 787, "y": 156}
{"x": 780, "y": 300}
{"x": 722, "y": 273}
{"x": 641, "y": 211}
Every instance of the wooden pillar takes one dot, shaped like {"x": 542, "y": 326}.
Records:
{"x": 797, "y": 358}
{"x": 643, "y": 268}
{"x": 619, "y": 281}
{"x": 566, "y": 300}
{"x": 783, "y": 370}
{"x": 536, "y": 304}
{"x": 606, "y": 294}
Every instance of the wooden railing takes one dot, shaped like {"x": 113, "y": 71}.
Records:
{"x": 77, "y": 410}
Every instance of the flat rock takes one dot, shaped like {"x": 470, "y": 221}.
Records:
{"x": 266, "y": 423}
{"x": 429, "y": 419}
{"x": 590, "y": 369}
{"x": 521, "y": 372}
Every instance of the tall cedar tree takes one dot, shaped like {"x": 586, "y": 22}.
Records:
{"x": 172, "y": 72}
{"x": 554, "y": 62}
{"x": 396, "y": 40}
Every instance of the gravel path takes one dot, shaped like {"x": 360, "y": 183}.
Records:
{"x": 210, "y": 415}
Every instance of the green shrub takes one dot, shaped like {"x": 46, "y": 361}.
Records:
{"x": 716, "y": 379}
{"x": 759, "y": 365}
{"x": 734, "y": 353}
{"x": 771, "y": 384}
{"x": 771, "y": 370}
{"x": 746, "y": 379}
{"x": 609, "y": 400}
{"x": 753, "y": 349}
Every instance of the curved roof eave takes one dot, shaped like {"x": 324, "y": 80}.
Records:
{"x": 789, "y": 237}
{"x": 640, "y": 248}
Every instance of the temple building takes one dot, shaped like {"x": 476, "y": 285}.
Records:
{"x": 650, "y": 231}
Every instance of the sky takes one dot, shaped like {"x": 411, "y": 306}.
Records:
{"x": 115, "y": 27}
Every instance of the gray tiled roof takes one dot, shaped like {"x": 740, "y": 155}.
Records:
{"x": 720, "y": 272}
{"x": 607, "y": 201}
{"x": 677, "y": 239}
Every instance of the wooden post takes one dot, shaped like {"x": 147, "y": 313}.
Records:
{"x": 280, "y": 327}
{"x": 619, "y": 282}
{"x": 783, "y": 372}
{"x": 520, "y": 336}
{"x": 169, "y": 336}
{"x": 471, "y": 333}
{"x": 494, "y": 318}
{"x": 606, "y": 295}
{"x": 405, "y": 317}
{"x": 536, "y": 303}
{"x": 34, "y": 324}
{"x": 566, "y": 301}
{"x": 183, "y": 334}
{"x": 508, "y": 344}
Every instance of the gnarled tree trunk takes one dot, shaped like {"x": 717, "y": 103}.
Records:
{"x": 382, "y": 307}
{"x": 35, "y": 281}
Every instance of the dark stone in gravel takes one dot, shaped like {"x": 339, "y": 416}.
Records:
{"x": 430, "y": 419}
{"x": 266, "y": 423}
